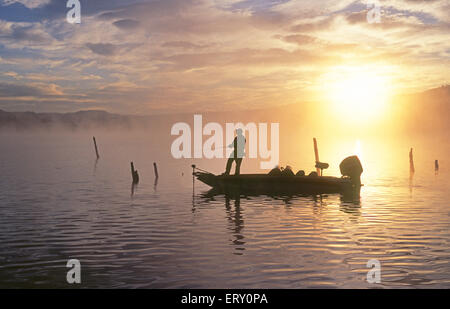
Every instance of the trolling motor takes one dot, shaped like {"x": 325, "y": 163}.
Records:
{"x": 351, "y": 167}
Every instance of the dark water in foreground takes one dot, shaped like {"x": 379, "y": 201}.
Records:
{"x": 57, "y": 204}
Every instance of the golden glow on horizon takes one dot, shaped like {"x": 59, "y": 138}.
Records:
{"x": 357, "y": 94}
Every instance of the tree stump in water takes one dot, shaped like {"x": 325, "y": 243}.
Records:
{"x": 134, "y": 174}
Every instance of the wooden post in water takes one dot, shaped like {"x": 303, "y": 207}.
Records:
{"x": 96, "y": 149}
{"x": 134, "y": 174}
{"x": 411, "y": 163}
{"x": 156, "y": 170}
{"x": 316, "y": 154}
{"x": 436, "y": 166}
{"x": 193, "y": 181}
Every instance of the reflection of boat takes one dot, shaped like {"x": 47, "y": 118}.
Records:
{"x": 270, "y": 184}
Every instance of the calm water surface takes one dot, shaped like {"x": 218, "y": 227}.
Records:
{"x": 57, "y": 203}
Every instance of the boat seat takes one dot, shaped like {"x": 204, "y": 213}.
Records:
{"x": 322, "y": 166}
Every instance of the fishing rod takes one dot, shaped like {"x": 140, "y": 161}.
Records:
{"x": 222, "y": 147}
{"x": 194, "y": 167}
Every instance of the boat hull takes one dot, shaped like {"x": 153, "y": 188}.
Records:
{"x": 267, "y": 184}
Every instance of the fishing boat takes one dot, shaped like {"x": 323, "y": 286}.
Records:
{"x": 314, "y": 183}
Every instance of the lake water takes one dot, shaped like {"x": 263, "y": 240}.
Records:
{"x": 57, "y": 203}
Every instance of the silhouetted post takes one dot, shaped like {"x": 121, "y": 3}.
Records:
{"x": 96, "y": 149}
{"x": 316, "y": 153}
{"x": 436, "y": 166}
{"x": 134, "y": 174}
{"x": 133, "y": 185}
{"x": 193, "y": 187}
{"x": 193, "y": 174}
{"x": 411, "y": 163}
{"x": 156, "y": 170}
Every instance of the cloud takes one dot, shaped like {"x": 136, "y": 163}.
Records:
{"x": 13, "y": 75}
{"x": 126, "y": 24}
{"x": 24, "y": 32}
{"x": 32, "y": 4}
{"x": 104, "y": 49}
{"x": 184, "y": 45}
{"x": 317, "y": 24}
{"x": 19, "y": 90}
{"x": 299, "y": 39}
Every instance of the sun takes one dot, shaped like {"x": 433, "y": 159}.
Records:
{"x": 357, "y": 94}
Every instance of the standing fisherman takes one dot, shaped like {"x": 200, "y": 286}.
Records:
{"x": 237, "y": 154}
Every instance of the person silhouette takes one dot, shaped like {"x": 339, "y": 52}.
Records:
{"x": 237, "y": 154}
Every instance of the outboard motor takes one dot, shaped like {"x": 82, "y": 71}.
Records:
{"x": 352, "y": 168}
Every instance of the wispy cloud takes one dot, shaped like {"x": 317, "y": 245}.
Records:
{"x": 28, "y": 3}
{"x": 172, "y": 55}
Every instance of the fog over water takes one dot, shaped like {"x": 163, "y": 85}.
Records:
{"x": 59, "y": 203}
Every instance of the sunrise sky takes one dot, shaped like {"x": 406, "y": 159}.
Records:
{"x": 143, "y": 57}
